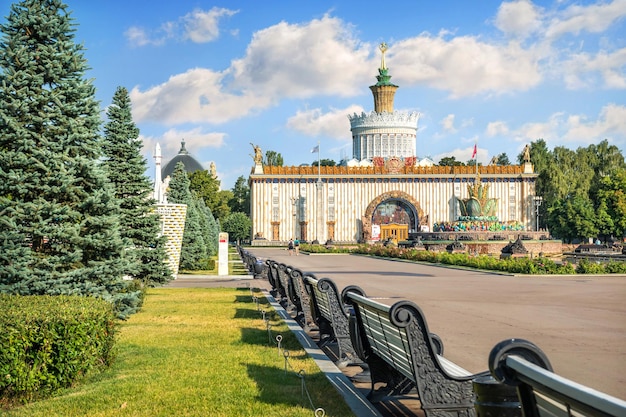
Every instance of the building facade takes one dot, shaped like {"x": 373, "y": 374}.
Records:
{"x": 388, "y": 193}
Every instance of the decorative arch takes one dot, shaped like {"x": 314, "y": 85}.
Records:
{"x": 366, "y": 219}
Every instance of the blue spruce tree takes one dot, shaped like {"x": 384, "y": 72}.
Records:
{"x": 126, "y": 167}
{"x": 59, "y": 227}
{"x": 193, "y": 255}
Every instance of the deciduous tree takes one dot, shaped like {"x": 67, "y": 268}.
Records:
{"x": 240, "y": 202}
{"x": 273, "y": 158}
{"x": 450, "y": 161}
{"x": 238, "y": 226}
{"x": 206, "y": 187}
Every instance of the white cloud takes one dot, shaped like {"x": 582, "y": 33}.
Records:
{"x": 195, "y": 96}
{"x": 315, "y": 123}
{"x": 170, "y": 141}
{"x": 199, "y": 26}
{"x": 138, "y": 37}
{"x": 303, "y": 60}
{"x": 583, "y": 70}
{"x": 324, "y": 57}
{"x": 610, "y": 124}
{"x": 594, "y": 18}
{"x": 448, "y": 124}
{"x": 282, "y": 61}
{"x": 203, "y": 26}
{"x": 498, "y": 128}
{"x": 464, "y": 65}
{"x": 561, "y": 129}
{"x": 518, "y": 19}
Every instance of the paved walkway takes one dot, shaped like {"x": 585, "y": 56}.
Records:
{"x": 578, "y": 321}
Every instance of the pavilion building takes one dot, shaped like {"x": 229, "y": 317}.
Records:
{"x": 386, "y": 192}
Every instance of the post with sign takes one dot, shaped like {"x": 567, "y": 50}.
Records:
{"x": 222, "y": 254}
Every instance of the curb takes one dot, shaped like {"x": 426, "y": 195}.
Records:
{"x": 185, "y": 277}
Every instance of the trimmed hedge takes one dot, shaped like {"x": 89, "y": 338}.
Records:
{"x": 49, "y": 342}
{"x": 523, "y": 265}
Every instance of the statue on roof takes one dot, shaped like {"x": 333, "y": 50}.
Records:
{"x": 258, "y": 154}
{"x": 213, "y": 170}
{"x": 526, "y": 153}
{"x": 383, "y": 48}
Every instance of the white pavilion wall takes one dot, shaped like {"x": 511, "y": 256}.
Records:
{"x": 273, "y": 202}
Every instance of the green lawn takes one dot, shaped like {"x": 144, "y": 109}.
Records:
{"x": 199, "y": 352}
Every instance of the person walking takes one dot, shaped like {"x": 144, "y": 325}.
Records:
{"x": 296, "y": 246}
{"x": 290, "y": 247}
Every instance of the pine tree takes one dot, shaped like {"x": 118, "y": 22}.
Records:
{"x": 126, "y": 167}
{"x": 59, "y": 229}
{"x": 194, "y": 248}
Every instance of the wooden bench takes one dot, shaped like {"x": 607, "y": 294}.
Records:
{"x": 541, "y": 392}
{"x": 403, "y": 356}
{"x": 331, "y": 317}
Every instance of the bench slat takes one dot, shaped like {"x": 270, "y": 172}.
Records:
{"x": 388, "y": 342}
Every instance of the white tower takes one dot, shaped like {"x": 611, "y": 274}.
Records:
{"x": 159, "y": 195}
{"x": 384, "y": 132}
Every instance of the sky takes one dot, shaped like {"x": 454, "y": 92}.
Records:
{"x": 285, "y": 75}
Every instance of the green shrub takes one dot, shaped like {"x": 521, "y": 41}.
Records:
{"x": 614, "y": 267}
{"x": 49, "y": 342}
{"x": 206, "y": 264}
{"x": 306, "y": 247}
{"x": 587, "y": 267}
{"x": 523, "y": 265}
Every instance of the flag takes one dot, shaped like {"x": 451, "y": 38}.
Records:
{"x": 474, "y": 153}
{"x": 316, "y": 149}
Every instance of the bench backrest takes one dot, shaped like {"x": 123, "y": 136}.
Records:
{"x": 271, "y": 274}
{"x": 543, "y": 393}
{"x": 325, "y": 299}
{"x": 331, "y": 316}
{"x": 279, "y": 285}
{"x": 284, "y": 276}
{"x": 399, "y": 334}
{"x": 395, "y": 340}
{"x": 300, "y": 297}
{"x": 383, "y": 338}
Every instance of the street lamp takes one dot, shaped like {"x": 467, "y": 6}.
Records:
{"x": 538, "y": 200}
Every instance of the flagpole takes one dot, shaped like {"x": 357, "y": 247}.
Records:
{"x": 319, "y": 163}
{"x": 476, "y": 156}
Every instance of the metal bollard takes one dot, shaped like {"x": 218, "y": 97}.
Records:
{"x": 494, "y": 399}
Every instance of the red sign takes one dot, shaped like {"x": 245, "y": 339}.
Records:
{"x": 222, "y": 240}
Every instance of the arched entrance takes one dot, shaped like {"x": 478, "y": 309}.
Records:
{"x": 392, "y": 215}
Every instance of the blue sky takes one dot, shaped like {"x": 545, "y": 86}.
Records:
{"x": 285, "y": 74}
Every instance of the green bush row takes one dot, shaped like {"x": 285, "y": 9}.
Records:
{"x": 49, "y": 342}
{"x": 306, "y": 247}
{"x": 523, "y": 265}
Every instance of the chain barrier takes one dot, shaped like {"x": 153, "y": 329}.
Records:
{"x": 317, "y": 412}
